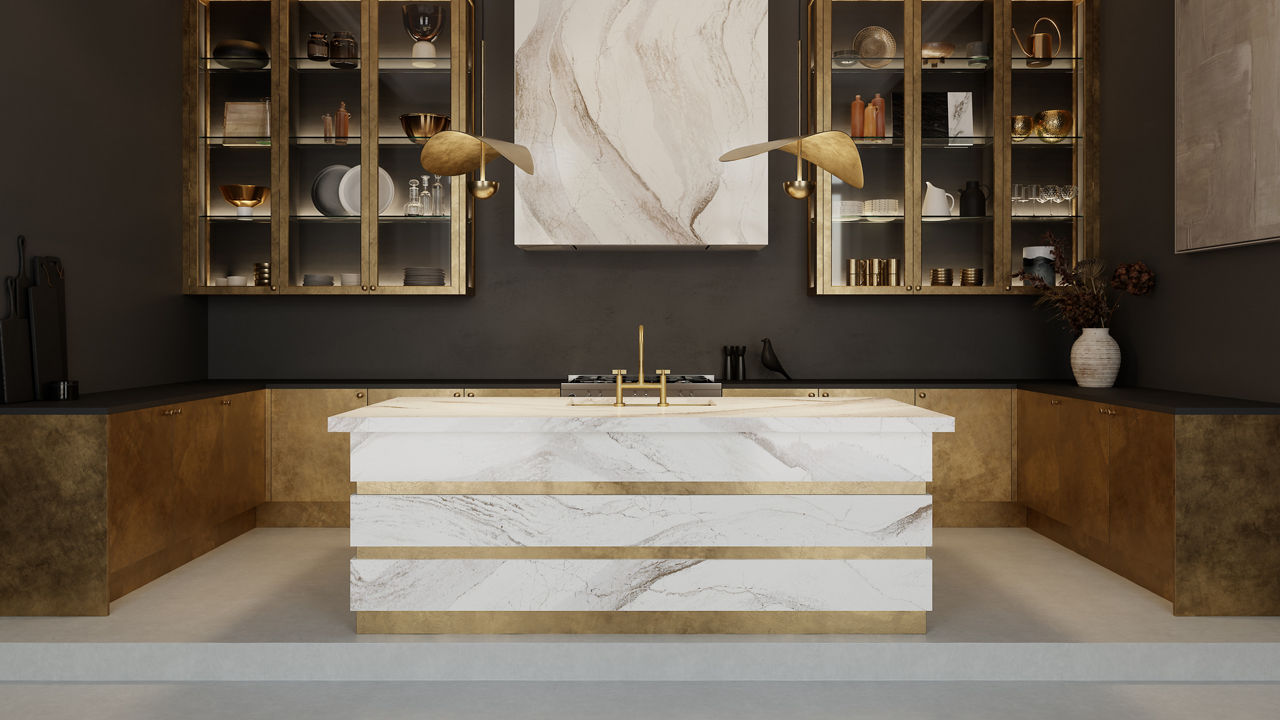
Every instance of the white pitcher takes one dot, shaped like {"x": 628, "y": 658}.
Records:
{"x": 937, "y": 202}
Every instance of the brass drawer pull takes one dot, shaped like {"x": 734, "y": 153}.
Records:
{"x": 922, "y": 396}
{"x": 813, "y": 395}
{"x": 457, "y": 394}
{"x": 471, "y": 394}
{"x": 1055, "y": 402}
{"x": 826, "y": 394}
{"x": 226, "y": 402}
{"x": 360, "y": 395}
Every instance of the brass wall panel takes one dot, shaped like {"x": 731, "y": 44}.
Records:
{"x": 53, "y": 525}
{"x": 512, "y": 392}
{"x": 770, "y": 392}
{"x": 377, "y": 395}
{"x": 633, "y": 488}
{"x": 974, "y": 463}
{"x": 140, "y": 506}
{"x": 304, "y": 514}
{"x": 635, "y": 623}
{"x": 1227, "y": 513}
{"x": 953, "y": 514}
{"x": 902, "y": 395}
{"x": 1082, "y": 467}
{"x": 308, "y": 463}
{"x": 642, "y": 553}
{"x": 1140, "y": 487}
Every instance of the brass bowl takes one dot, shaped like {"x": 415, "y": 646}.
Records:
{"x": 419, "y": 127}
{"x": 245, "y": 196}
{"x": 937, "y": 50}
{"x": 1054, "y": 125}
{"x": 1021, "y": 126}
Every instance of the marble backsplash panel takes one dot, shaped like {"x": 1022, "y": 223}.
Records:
{"x": 626, "y": 106}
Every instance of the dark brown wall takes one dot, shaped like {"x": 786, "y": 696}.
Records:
{"x": 90, "y": 171}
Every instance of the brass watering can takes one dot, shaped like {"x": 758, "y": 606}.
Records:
{"x": 1042, "y": 51}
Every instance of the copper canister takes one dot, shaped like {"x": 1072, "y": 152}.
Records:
{"x": 875, "y": 272}
{"x": 892, "y": 272}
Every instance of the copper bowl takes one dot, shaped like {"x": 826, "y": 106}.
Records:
{"x": 937, "y": 50}
{"x": 245, "y": 197}
{"x": 419, "y": 127}
{"x": 1054, "y": 125}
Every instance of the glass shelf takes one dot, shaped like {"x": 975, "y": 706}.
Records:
{"x": 315, "y": 140}
{"x": 842, "y": 67}
{"x": 1045, "y": 218}
{"x": 236, "y": 219}
{"x": 402, "y": 64}
{"x": 325, "y": 218}
{"x": 1038, "y": 142}
{"x": 1060, "y": 64}
{"x": 396, "y": 140}
{"x": 870, "y": 219}
{"x": 214, "y": 65}
{"x": 951, "y": 143}
{"x": 414, "y": 218}
{"x": 237, "y": 142}
{"x": 878, "y": 142}
{"x": 956, "y": 219}
{"x": 302, "y": 64}
{"x": 956, "y": 64}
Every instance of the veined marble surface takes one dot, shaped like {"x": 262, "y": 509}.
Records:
{"x": 591, "y": 456}
{"x": 641, "y": 520}
{"x": 637, "y": 585}
{"x": 626, "y": 106}
{"x": 720, "y": 415}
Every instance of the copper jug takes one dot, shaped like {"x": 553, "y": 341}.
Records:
{"x": 1042, "y": 51}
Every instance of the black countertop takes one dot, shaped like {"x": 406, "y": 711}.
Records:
{"x": 118, "y": 401}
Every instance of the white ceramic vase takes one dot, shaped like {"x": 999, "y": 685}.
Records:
{"x": 1095, "y": 358}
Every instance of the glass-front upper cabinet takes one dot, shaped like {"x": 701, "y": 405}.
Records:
{"x": 1052, "y": 187}
{"x": 972, "y": 147}
{"x": 231, "y": 152}
{"x": 326, "y": 106}
{"x": 864, "y": 86}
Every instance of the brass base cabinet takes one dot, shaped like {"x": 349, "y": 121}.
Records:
{"x": 946, "y": 123}
{"x": 324, "y": 135}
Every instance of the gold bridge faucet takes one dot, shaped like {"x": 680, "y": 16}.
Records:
{"x": 640, "y": 383}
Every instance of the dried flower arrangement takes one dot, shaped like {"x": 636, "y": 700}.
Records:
{"x": 1081, "y": 298}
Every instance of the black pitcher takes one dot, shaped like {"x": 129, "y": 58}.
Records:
{"x": 973, "y": 202}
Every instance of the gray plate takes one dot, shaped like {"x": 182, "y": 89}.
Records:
{"x": 324, "y": 191}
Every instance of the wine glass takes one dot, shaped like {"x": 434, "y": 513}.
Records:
{"x": 423, "y": 21}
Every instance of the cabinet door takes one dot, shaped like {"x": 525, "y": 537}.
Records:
{"x": 1082, "y": 467}
{"x": 771, "y": 392}
{"x": 308, "y": 463}
{"x": 377, "y": 395}
{"x": 974, "y": 463}
{"x": 902, "y": 395}
{"x": 1140, "y": 484}
{"x": 141, "y": 485}
{"x": 197, "y": 439}
{"x": 1039, "y": 418}
{"x": 512, "y": 392}
{"x": 242, "y": 479}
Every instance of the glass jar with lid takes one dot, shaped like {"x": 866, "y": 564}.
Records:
{"x": 344, "y": 52}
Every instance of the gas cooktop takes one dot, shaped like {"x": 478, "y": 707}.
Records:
{"x": 678, "y": 386}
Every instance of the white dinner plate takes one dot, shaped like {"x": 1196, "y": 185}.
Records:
{"x": 349, "y": 191}
{"x": 324, "y": 191}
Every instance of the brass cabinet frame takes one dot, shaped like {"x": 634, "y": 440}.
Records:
{"x": 195, "y": 161}
{"x": 1086, "y": 92}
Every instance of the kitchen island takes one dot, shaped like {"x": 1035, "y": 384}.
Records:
{"x": 542, "y": 515}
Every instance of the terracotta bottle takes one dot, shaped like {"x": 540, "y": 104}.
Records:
{"x": 869, "y": 120}
{"x": 878, "y": 102}
{"x": 857, "y": 112}
{"x": 343, "y": 129}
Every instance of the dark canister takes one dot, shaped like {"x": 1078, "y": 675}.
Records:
{"x": 973, "y": 202}
{"x": 344, "y": 52}
{"x": 318, "y": 46}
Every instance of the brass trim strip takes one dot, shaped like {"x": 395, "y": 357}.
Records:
{"x": 722, "y": 622}
{"x": 640, "y": 553}
{"x": 639, "y": 488}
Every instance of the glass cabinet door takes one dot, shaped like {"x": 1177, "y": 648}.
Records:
{"x": 957, "y": 149}
{"x": 324, "y": 247}
{"x": 1048, "y": 186}
{"x": 412, "y": 245}
{"x": 865, "y": 231}
{"x": 229, "y": 195}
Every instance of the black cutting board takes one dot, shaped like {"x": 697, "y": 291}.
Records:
{"x": 16, "y": 383}
{"x": 23, "y": 280}
{"x": 48, "y": 326}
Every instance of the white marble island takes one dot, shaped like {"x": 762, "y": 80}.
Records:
{"x": 747, "y": 515}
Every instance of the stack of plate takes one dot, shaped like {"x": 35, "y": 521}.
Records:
{"x": 422, "y": 276}
{"x": 309, "y": 280}
{"x": 940, "y": 276}
{"x": 262, "y": 274}
{"x": 971, "y": 277}
{"x": 349, "y": 279}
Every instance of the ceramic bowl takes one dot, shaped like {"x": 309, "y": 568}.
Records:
{"x": 237, "y": 281}
{"x": 241, "y": 55}
{"x": 419, "y": 127}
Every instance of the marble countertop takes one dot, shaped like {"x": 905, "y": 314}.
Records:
{"x": 728, "y": 415}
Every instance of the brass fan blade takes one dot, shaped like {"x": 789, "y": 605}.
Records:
{"x": 833, "y": 151}
{"x": 457, "y": 153}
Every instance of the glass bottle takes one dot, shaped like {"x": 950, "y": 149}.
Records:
{"x": 326, "y": 121}
{"x": 413, "y": 208}
{"x": 344, "y": 53}
{"x": 438, "y": 198}
{"x": 343, "y": 123}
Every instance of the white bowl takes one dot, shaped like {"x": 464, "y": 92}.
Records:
{"x": 237, "y": 281}
{"x": 220, "y": 282}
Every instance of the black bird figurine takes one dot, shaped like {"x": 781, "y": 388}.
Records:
{"x": 769, "y": 358}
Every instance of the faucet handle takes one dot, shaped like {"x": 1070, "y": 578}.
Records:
{"x": 619, "y": 372}
{"x": 663, "y": 372}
